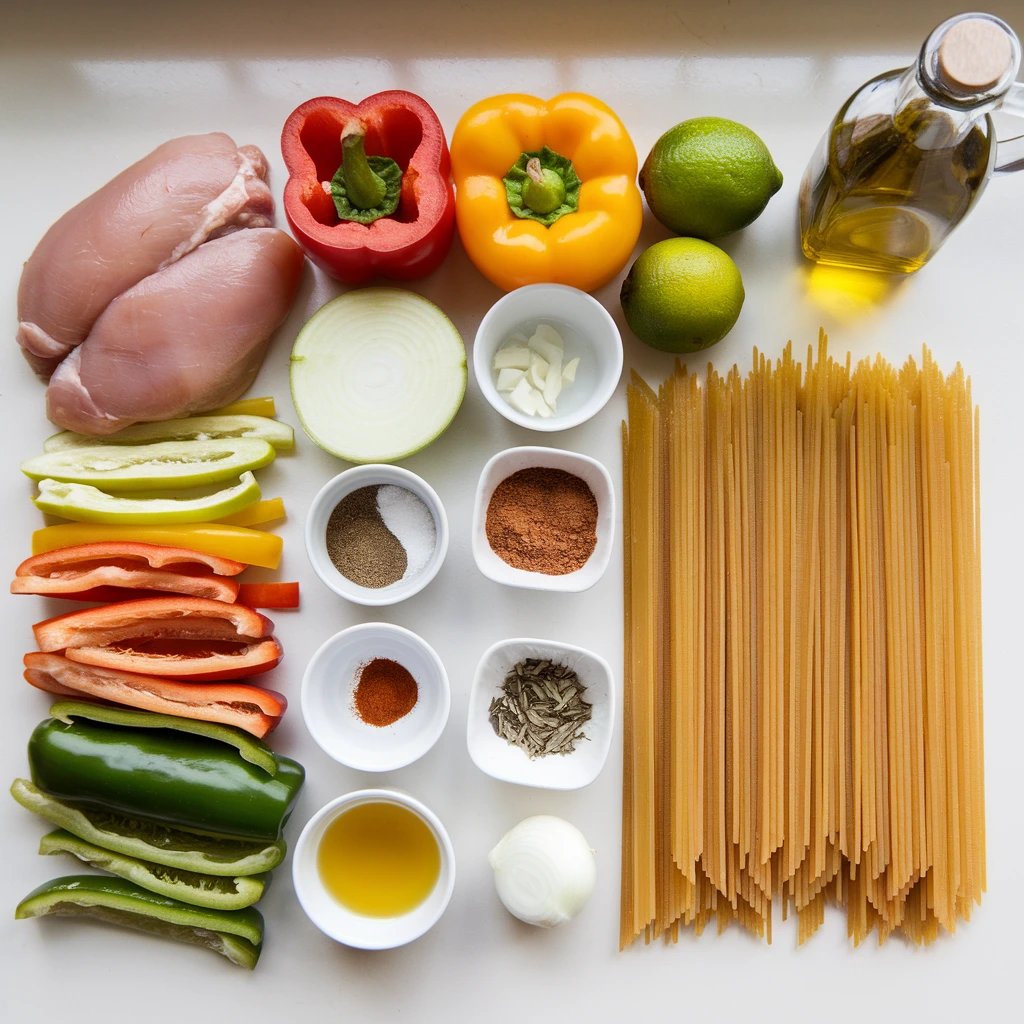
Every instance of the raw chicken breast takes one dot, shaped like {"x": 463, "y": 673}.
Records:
{"x": 186, "y": 191}
{"x": 187, "y": 339}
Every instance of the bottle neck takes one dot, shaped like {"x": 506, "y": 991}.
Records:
{"x": 954, "y": 96}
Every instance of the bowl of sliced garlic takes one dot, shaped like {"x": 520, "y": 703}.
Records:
{"x": 547, "y": 356}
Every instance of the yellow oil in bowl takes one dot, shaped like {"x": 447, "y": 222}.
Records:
{"x": 379, "y": 859}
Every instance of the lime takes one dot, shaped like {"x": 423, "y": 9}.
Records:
{"x": 709, "y": 176}
{"x": 682, "y": 294}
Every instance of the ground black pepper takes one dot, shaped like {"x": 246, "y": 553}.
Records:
{"x": 361, "y": 547}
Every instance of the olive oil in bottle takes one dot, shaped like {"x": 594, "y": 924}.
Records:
{"x": 379, "y": 859}
{"x": 908, "y": 155}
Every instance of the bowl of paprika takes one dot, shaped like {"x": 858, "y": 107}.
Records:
{"x": 375, "y": 697}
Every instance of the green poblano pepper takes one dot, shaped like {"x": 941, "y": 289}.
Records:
{"x": 175, "y": 778}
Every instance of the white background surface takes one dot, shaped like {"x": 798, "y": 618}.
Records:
{"x": 85, "y": 89}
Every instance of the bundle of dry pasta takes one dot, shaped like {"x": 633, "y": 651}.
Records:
{"x": 803, "y": 690}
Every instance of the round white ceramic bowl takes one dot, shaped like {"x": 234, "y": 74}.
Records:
{"x": 588, "y": 331}
{"x": 342, "y": 924}
{"x": 499, "y": 759}
{"x": 328, "y": 689}
{"x": 324, "y": 504}
{"x": 510, "y": 461}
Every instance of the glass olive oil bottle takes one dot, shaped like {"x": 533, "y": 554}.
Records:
{"x": 908, "y": 155}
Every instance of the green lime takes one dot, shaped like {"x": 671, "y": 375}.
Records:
{"x": 709, "y": 176}
{"x": 682, "y": 295}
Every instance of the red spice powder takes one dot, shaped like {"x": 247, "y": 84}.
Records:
{"x": 385, "y": 692}
{"x": 543, "y": 520}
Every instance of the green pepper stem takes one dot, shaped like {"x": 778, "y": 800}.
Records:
{"x": 543, "y": 189}
{"x": 364, "y": 188}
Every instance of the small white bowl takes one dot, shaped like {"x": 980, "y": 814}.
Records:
{"x": 328, "y": 688}
{"x": 359, "y": 930}
{"x": 510, "y": 461}
{"x": 499, "y": 759}
{"x": 588, "y": 331}
{"x": 324, "y": 504}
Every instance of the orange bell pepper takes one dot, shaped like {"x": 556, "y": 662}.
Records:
{"x": 546, "y": 191}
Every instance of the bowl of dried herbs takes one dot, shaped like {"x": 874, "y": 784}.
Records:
{"x": 541, "y": 714}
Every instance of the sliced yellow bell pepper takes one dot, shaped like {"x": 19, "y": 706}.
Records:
{"x": 254, "y": 547}
{"x": 583, "y": 242}
{"x": 247, "y": 407}
{"x": 265, "y": 511}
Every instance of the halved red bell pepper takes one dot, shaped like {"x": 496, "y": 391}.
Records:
{"x": 409, "y": 243}
{"x": 168, "y": 636}
{"x": 248, "y": 707}
{"x": 112, "y": 570}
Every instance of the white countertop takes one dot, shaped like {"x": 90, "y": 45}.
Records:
{"x": 85, "y": 90}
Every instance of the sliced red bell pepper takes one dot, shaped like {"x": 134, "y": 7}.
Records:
{"x": 169, "y": 636}
{"x": 111, "y": 570}
{"x": 248, "y": 707}
{"x": 269, "y": 595}
{"x": 411, "y": 242}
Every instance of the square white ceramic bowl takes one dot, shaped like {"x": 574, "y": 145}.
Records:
{"x": 359, "y": 930}
{"x": 588, "y": 331}
{"x": 510, "y": 461}
{"x": 324, "y": 504}
{"x": 328, "y": 688}
{"x": 498, "y": 758}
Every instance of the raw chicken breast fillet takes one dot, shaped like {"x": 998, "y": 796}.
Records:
{"x": 186, "y": 339}
{"x": 186, "y": 191}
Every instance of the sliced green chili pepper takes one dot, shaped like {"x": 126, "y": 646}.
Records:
{"x": 151, "y": 841}
{"x": 86, "y": 504}
{"x": 166, "y": 465}
{"x": 364, "y": 188}
{"x": 177, "y": 778}
{"x": 192, "y": 428}
{"x": 236, "y": 934}
{"x": 542, "y": 186}
{"x": 217, "y": 892}
{"x": 248, "y": 746}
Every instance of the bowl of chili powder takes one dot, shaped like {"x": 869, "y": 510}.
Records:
{"x": 375, "y": 697}
{"x": 544, "y": 519}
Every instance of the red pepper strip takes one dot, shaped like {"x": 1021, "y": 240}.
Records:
{"x": 179, "y": 618}
{"x": 170, "y": 636}
{"x": 413, "y": 241}
{"x": 248, "y": 707}
{"x": 269, "y": 595}
{"x": 77, "y": 572}
{"x": 198, "y": 663}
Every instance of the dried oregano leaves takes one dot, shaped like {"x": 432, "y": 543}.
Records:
{"x": 541, "y": 708}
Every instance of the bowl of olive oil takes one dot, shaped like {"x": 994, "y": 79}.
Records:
{"x": 374, "y": 869}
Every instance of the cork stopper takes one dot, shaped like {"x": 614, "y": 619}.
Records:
{"x": 975, "y": 53}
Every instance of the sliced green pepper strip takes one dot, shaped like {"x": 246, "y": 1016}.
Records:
{"x": 177, "y": 778}
{"x": 191, "y": 428}
{"x": 364, "y": 189}
{"x": 542, "y": 186}
{"x": 236, "y": 934}
{"x": 86, "y": 504}
{"x": 252, "y": 749}
{"x": 151, "y": 841}
{"x": 166, "y": 465}
{"x": 216, "y": 892}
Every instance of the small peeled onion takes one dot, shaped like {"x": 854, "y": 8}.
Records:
{"x": 544, "y": 871}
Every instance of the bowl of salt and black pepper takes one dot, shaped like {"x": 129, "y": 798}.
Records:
{"x": 376, "y": 534}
